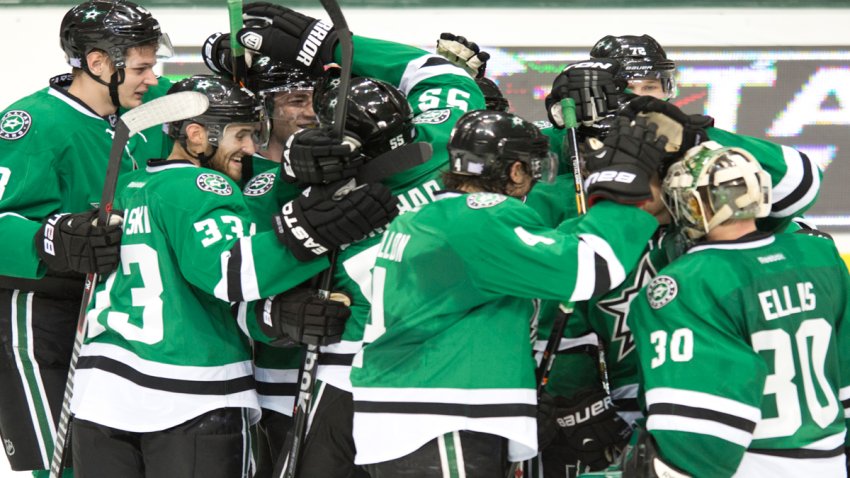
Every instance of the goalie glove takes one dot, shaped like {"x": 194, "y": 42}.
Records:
{"x": 621, "y": 167}
{"x": 593, "y": 86}
{"x": 301, "y": 316}
{"x": 463, "y": 53}
{"x": 74, "y": 242}
{"x": 286, "y": 35}
{"x": 326, "y": 217}
{"x": 591, "y": 430}
{"x": 311, "y": 156}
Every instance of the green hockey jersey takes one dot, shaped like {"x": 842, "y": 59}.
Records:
{"x": 53, "y": 155}
{"x": 743, "y": 357}
{"x": 162, "y": 345}
{"x": 796, "y": 182}
{"x": 452, "y": 294}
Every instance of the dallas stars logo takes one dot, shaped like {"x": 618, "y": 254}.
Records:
{"x": 259, "y": 185}
{"x": 214, "y": 183}
{"x": 91, "y": 14}
{"x": 15, "y": 124}
{"x": 618, "y": 307}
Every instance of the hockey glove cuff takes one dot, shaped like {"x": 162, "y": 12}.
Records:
{"x": 301, "y": 316}
{"x": 326, "y": 217}
{"x": 74, "y": 242}
{"x": 216, "y": 54}
{"x": 591, "y": 429}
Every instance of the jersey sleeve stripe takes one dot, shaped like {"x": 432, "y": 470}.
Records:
{"x": 705, "y": 400}
{"x": 248, "y": 273}
{"x": 461, "y": 410}
{"x": 702, "y": 414}
{"x": 699, "y": 427}
{"x": 424, "y": 67}
{"x": 234, "y": 269}
{"x": 798, "y": 187}
{"x": 844, "y": 394}
{"x": 599, "y": 270}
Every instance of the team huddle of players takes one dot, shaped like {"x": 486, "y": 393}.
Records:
{"x": 702, "y": 323}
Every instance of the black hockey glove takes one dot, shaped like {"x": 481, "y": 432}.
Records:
{"x": 326, "y": 217}
{"x": 463, "y": 53}
{"x": 312, "y": 156}
{"x": 71, "y": 242}
{"x": 216, "y": 54}
{"x": 286, "y": 35}
{"x": 591, "y": 429}
{"x": 592, "y": 84}
{"x": 301, "y": 316}
{"x": 683, "y": 131}
{"x": 621, "y": 167}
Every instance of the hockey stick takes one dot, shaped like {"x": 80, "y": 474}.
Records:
{"x": 161, "y": 110}
{"x": 568, "y": 109}
{"x": 311, "y": 355}
{"x": 239, "y": 67}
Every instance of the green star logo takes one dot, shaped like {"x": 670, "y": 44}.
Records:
{"x": 91, "y": 14}
{"x": 259, "y": 185}
{"x": 214, "y": 183}
{"x": 15, "y": 124}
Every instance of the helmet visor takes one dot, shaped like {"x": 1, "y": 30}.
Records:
{"x": 544, "y": 168}
{"x": 164, "y": 48}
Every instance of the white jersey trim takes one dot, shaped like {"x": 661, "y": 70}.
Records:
{"x": 52, "y": 92}
{"x": 481, "y": 396}
{"x": 704, "y": 400}
{"x": 247, "y": 272}
{"x": 756, "y": 464}
{"x": 791, "y": 181}
{"x": 735, "y": 245}
{"x": 591, "y": 245}
{"x": 414, "y": 73}
{"x": 699, "y": 426}
{"x": 569, "y": 343}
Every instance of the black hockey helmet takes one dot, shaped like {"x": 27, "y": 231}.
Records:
{"x": 493, "y": 97}
{"x": 641, "y": 57}
{"x": 270, "y": 76}
{"x": 229, "y": 103}
{"x": 377, "y": 112}
{"x": 486, "y": 143}
{"x": 109, "y": 26}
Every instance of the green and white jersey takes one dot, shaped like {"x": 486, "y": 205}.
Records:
{"x": 53, "y": 155}
{"x": 275, "y": 368}
{"x": 452, "y": 304}
{"x": 162, "y": 344}
{"x": 796, "y": 179}
{"x": 439, "y": 93}
{"x": 742, "y": 351}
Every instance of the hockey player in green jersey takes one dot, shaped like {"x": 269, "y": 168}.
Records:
{"x": 743, "y": 365}
{"x": 171, "y": 372}
{"x": 404, "y": 95}
{"x": 54, "y": 146}
{"x": 447, "y": 378}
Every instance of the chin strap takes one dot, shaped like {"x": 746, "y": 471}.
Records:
{"x": 202, "y": 158}
{"x": 114, "y": 81}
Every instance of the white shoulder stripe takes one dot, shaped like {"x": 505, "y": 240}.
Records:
{"x": 700, "y": 427}
{"x": 247, "y": 274}
{"x": 414, "y": 73}
{"x": 791, "y": 182}
{"x": 591, "y": 245}
{"x": 844, "y": 393}
{"x": 703, "y": 400}
{"x": 220, "y": 290}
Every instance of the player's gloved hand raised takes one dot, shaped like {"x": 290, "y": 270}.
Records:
{"x": 74, "y": 242}
{"x": 325, "y": 217}
{"x": 216, "y": 53}
{"x": 312, "y": 156}
{"x": 463, "y": 53}
{"x": 286, "y": 35}
{"x": 683, "y": 131}
{"x": 621, "y": 167}
{"x": 592, "y": 84}
{"x": 301, "y": 316}
{"x": 591, "y": 430}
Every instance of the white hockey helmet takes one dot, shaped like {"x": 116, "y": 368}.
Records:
{"x": 713, "y": 184}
